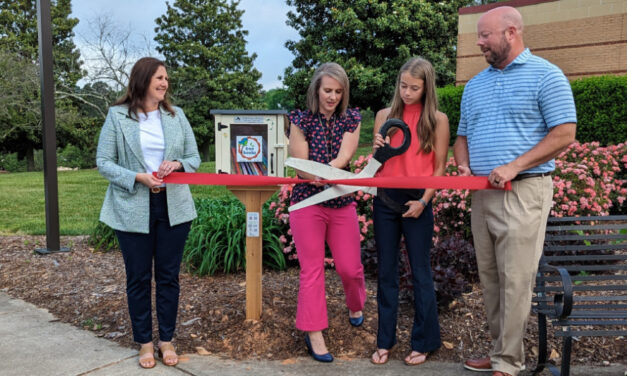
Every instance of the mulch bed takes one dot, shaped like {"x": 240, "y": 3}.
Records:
{"x": 87, "y": 289}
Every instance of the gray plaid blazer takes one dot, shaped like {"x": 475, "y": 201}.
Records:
{"x": 126, "y": 205}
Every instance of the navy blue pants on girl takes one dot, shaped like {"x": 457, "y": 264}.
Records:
{"x": 389, "y": 225}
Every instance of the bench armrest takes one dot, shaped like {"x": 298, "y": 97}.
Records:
{"x": 563, "y": 301}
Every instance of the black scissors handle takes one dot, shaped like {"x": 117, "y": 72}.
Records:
{"x": 386, "y": 152}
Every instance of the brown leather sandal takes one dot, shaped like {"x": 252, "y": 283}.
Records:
{"x": 147, "y": 356}
{"x": 168, "y": 359}
{"x": 410, "y": 360}
{"x": 383, "y": 356}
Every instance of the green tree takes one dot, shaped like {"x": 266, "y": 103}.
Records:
{"x": 20, "y": 121}
{"x": 205, "y": 49}
{"x": 18, "y": 33}
{"x": 278, "y": 99}
{"x": 371, "y": 39}
{"x": 20, "y": 111}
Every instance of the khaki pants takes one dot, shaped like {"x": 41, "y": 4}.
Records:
{"x": 508, "y": 229}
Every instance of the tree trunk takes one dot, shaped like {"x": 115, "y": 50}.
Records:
{"x": 30, "y": 159}
{"x": 205, "y": 152}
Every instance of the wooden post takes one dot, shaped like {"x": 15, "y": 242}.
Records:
{"x": 253, "y": 199}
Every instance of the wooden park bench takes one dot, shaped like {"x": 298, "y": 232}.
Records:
{"x": 580, "y": 285}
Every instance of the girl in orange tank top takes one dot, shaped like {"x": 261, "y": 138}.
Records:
{"x": 409, "y": 212}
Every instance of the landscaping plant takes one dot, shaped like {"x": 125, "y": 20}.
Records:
{"x": 217, "y": 239}
{"x": 103, "y": 238}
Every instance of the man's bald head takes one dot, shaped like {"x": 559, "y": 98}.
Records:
{"x": 500, "y": 35}
{"x": 504, "y": 17}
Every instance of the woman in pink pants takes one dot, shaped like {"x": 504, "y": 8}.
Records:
{"x": 327, "y": 132}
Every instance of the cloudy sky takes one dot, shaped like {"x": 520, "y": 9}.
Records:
{"x": 264, "y": 20}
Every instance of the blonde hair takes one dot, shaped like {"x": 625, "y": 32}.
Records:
{"x": 422, "y": 69}
{"x": 336, "y": 72}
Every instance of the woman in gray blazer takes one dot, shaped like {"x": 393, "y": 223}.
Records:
{"x": 144, "y": 134}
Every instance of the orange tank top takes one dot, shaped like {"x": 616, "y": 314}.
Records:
{"x": 412, "y": 162}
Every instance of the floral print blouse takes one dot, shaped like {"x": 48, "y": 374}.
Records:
{"x": 324, "y": 145}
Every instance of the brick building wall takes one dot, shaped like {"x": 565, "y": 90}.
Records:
{"x": 583, "y": 37}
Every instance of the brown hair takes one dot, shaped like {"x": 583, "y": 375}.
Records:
{"x": 138, "y": 84}
{"x": 335, "y": 71}
{"x": 422, "y": 69}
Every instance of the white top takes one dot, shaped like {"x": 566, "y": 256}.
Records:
{"x": 151, "y": 136}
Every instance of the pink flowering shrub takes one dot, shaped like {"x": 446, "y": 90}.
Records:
{"x": 451, "y": 210}
{"x": 588, "y": 180}
{"x": 364, "y": 207}
{"x": 281, "y": 215}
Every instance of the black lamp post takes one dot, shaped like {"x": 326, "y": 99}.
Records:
{"x": 44, "y": 26}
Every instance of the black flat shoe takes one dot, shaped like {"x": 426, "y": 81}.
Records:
{"x": 325, "y": 358}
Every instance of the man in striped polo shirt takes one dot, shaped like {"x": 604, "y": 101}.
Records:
{"x": 516, "y": 116}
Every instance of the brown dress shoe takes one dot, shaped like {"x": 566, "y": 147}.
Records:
{"x": 499, "y": 373}
{"x": 479, "y": 365}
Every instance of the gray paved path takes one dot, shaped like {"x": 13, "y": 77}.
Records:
{"x": 33, "y": 342}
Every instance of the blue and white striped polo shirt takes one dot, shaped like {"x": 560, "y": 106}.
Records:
{"x": 505, "y": 113}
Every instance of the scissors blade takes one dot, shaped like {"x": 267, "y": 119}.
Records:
{"x": 327, "y": 194}
{"x": 318, "y": 169}
{"x": 371, "y": 168}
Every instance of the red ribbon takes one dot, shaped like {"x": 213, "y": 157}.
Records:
{"x": 435, "y": 182}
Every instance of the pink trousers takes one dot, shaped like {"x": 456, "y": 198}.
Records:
{"x": 311, "y": 227}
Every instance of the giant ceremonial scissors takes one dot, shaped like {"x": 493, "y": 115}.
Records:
{"x": 331, "y": 173}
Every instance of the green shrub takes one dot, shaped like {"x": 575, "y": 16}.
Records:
{"x": 72, "y": 156}
{"x": 601, "y": 110}
{"x": 600, "y": 102}
{"x": 217, "y": 239}
{"x": 367, "y": 127}
{"x": 9, "y": 162}
{"x": 103, "y": 238}
{"x": 449, "y": 99}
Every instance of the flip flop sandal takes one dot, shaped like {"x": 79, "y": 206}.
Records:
{"x": 414, "y": 355}
{"x": 381, "y": 354}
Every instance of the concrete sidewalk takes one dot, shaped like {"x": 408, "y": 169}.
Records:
{"x": 33, "y": 342}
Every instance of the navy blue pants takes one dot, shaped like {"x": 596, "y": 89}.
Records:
{"x": 389, "y": 225}
{"x": 163, "y": 245}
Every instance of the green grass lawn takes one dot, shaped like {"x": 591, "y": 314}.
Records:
{"x": 22, "y": 201}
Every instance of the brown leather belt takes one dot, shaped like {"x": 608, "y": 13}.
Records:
{"x": 157, "y": 189}
{"x": 532, "y": 175}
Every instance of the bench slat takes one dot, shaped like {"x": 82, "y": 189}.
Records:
{"x": 596, "y": 227}
{"x": 603, "y": 314}
{"x": 549, "y": 309}
{"x": 585, "y": 247}
{"x": 592, "y": 324}
{"x": 588, "y": 288}
{"x": 583, "y": 258}
{"x": 575, "y": 278}
{"x": 604, "y": 268}
{"x": 591, "y": 218}
{"x": 578, "y": 237}
{"x": 591, "y": 333}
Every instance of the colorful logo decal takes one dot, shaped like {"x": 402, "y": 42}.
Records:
{"x": 249, "y": 148}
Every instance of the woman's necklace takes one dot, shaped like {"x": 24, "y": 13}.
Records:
{"x": 329, "y": 127}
